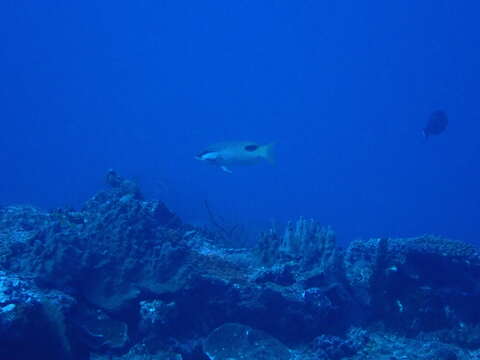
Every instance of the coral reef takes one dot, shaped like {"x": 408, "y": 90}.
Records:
{"x": 29, "y": 314}
{"x": 418, "y": 284}
{"x": 124, "y": 278}
{"x": 230, "y": 340}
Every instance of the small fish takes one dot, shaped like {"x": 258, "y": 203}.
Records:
{"x": 437, "y": 123}
{"x": 236, "y": 153}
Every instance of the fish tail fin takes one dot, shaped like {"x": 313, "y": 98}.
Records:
{"x": 268, "y": 153}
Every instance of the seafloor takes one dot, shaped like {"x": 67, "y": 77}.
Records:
{"x": 124, "y": 278}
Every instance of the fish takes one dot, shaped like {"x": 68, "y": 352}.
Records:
{"x": 436, "y": 124}
{"x": 236, "y": 153}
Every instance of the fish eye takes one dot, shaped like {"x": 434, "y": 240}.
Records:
{"x": 251, "y": 147}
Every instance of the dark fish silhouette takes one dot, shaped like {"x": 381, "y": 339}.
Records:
{"x": 437, "y": 123}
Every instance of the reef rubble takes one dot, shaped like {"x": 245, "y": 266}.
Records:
{"x": 124, "y": 278}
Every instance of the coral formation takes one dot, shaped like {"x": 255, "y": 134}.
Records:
{"x": 124, "y": 278}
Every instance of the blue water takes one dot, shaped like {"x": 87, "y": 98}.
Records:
{"x": 343, "y": 88}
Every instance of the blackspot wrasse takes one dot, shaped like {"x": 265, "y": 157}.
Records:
{"x": 236, "y": 153}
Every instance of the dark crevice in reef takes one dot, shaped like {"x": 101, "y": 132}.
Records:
{"x": 124, "y": 278}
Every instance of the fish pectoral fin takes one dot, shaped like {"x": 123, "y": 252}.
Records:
{"x": 227, "y": 170}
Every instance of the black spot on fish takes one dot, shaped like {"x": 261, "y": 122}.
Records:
{"x": 251, "y": 147}
{"x": 436, "y": 124}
